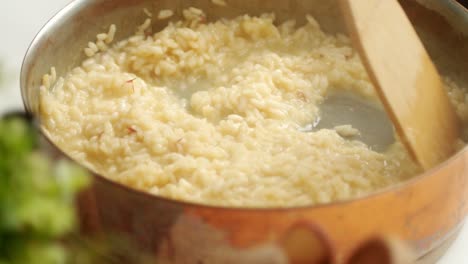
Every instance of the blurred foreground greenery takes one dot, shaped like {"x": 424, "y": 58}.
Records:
{"x": 36, "y": 198}
{"x": 37, "y": 213}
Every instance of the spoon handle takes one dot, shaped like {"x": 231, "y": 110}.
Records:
{"x": 405, "y": 78}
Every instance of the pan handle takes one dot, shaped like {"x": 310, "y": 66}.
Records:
{"x": 307, "y": 243}
{"x": 382, "y": 249}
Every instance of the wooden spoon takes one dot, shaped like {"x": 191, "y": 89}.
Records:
{"x": 405, "y": 78}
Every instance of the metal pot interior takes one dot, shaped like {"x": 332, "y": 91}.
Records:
{"x": 440, "y": 24}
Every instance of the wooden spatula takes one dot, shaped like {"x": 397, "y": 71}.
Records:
{"x": 405, "y": 78}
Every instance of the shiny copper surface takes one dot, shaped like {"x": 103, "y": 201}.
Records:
{"x": 422, "y": 212}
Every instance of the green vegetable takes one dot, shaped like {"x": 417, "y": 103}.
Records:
{"x": 36, "y": 198}
{"x": 37, "y": 216}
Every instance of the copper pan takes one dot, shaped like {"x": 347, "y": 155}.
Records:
{"x": 423, "y": 212}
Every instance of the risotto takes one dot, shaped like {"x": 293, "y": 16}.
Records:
{"x": 212, "y": 113}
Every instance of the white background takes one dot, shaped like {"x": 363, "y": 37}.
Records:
{"x": 19, "y": 22}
